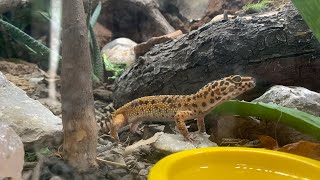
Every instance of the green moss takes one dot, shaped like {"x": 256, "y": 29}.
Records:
{"x": 257, "y": 7}
{"x": 31, "y": 156}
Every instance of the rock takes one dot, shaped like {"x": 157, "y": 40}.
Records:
{"x": 125, "y": 42}
{"x": 54, "y": 167}
{"x": 140, "y": 165}
{"x": 143, "y": 172}
{"x": 171, "y": 143}
{"x": 120, "y": 51}
{"x": 103, "y": 148}
{"x": 11, "y": 153}
{"x": 53, "y": 105}
{"x": 127, "y": 177}
{"x": 117, "y": 173}
{"x": 293, "y": 97}
{"x": 149, "y": 167}
{"x": 134, "y": 171}
{"x": 141, "y": 177}
{"x": 34, "y": 123}
{"x": 131, "y": 162}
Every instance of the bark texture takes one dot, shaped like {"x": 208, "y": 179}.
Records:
{"x": 275, "y": 49}
{"x": 79, "y": 124}
{"x": 7, "y": 5}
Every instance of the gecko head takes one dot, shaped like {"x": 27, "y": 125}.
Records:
{"x": 225, "y": 89}
{"x": 235, "y": 85}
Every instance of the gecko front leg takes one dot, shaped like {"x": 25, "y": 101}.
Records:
{"x": 201, "y": 125}
{"x": 179, "y": 118}
{"x": 118, "y": 121}
{"x": 134, "y": 128}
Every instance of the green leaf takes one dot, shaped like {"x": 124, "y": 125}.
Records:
{"x": 96, "y": 59}
{"x": 116, "y": 69}
{"x": 30, "y": 156}
{"x": 45, "y": 15}
{"x": 301, "y": 121}
{"x": 95, "y": 15}
{"x": 45, "y": 151}
{"x": 23, "y": 37}
{"x": 309, "y": 10}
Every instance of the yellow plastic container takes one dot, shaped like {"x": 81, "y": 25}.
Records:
{"x": 234, "y": 163}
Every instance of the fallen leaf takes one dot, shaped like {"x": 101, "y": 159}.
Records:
{"x": 303, "y": 148}
{"x": 268, "y": 142}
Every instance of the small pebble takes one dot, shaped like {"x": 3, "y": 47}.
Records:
{"x": 141, "y": 177}
{"x": 149, "y": 167}
{"x": 143, "y": 172}
{"x": 134, "y": 171}
{"x": 117, "y": 173}
{"x": 127, "y": 177}
{"x": 140, "y": 165}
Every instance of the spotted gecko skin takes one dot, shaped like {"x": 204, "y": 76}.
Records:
{"x": 180, "y": 108}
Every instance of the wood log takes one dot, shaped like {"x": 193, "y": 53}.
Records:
{"x": 275, "y": 48}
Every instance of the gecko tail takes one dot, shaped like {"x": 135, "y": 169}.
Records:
{"x": 118, "y": 121}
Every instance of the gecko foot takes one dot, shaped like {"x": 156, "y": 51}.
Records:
{"x": 189, "y": 138}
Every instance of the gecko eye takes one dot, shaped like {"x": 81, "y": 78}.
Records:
{"x": 236, "y": 79}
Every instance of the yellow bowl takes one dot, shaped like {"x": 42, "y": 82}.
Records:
{"x": 234, "y": 163}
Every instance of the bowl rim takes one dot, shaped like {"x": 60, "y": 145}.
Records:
{"x": 166, "y": 161}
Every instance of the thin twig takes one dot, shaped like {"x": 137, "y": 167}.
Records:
{"x": 29, "y": 165}
{"x": 105, "y": 135}
{"x": 112, "y": 108}
{"x": 112, "y": 163}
